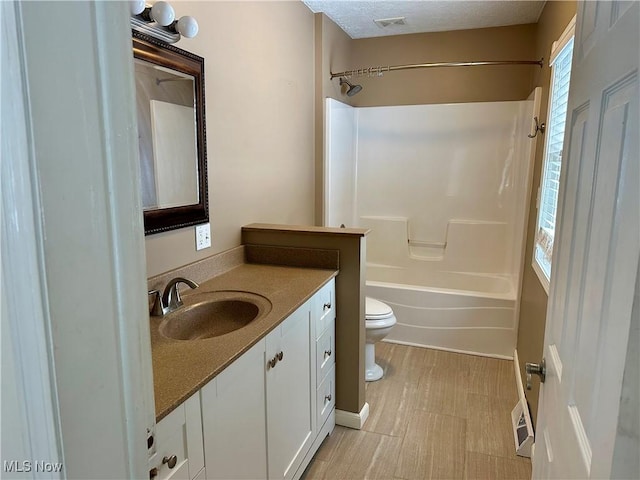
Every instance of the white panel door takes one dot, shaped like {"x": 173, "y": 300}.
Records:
{"x": 595, "y": 259}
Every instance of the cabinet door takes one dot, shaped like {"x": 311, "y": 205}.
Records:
{"x": 233, "y": 419}
{"x": 193, "y": 422}
{"x": 289, "y": 393}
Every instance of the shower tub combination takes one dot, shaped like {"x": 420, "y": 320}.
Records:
{"x": 444, "y": 190}
{"x": 461, "y": 312}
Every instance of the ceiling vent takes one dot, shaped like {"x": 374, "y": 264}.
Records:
{"x": 387, "y": 22}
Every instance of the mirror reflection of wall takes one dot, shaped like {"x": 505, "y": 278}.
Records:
{"x": 167, "y": 134}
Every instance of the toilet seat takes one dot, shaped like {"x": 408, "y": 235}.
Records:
{"x": 378, "y": 314}
{"x": 375, "y": 309}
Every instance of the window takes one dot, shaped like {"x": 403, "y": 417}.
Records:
{"x": 561, "y": 55}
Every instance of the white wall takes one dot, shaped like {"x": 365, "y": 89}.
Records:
{"x": 450, "y": 179}
{"x": 340, "y": 165}
{"x": 525, "y": 152}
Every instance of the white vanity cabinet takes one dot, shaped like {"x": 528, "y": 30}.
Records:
{"x": 325, "y": 347}
{"x": 177, "y": 452}
{"x": 323, "y": 318}
{"x": 263, "y": 416}
{"x": 325, "y": 375}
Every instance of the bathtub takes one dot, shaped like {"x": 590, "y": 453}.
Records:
{"x": 455, "y": 311}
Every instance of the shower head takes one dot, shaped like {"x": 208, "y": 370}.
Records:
{"x": 353, "y": 89}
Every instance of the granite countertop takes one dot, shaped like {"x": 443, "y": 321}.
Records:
{"x": 182, "y": 367}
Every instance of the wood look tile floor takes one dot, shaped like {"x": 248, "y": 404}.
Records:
{"x": 434, "y": 415}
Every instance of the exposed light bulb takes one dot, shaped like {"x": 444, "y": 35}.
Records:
{"x": 187, "y": 26}
{"x": 136, "y": 6}
{"x": 162, "y": 13}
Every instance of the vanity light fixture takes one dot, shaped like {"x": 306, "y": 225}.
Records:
{"x": 158, "y": 20}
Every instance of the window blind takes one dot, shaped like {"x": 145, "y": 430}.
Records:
{"x": 561, "y": 76}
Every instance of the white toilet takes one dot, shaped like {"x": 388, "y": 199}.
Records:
{"x": 379, "y": 321}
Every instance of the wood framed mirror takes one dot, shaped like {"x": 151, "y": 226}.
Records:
{"x": 171, "y": 132}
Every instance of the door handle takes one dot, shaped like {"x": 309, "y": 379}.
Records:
{"x": 170, "y": 461}
{"x": 535, "y": 369}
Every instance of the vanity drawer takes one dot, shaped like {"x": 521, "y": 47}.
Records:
{"x": 326, "y": 397}
{"x": 325, "y": 352}
{"x": 179, "y": 434}
{"x": 171, "y": 440}
{"x": 179, "y": 472}
{"x": 324, "y": 308}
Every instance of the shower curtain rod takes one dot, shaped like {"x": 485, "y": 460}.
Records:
{"x": 378, "y": 71}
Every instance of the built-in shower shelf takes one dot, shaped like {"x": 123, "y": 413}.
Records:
{"x": 420, "y": 243}
{"x": 422, "y": 250}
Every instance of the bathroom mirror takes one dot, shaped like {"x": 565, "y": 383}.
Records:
{"x": 171, "y": 132}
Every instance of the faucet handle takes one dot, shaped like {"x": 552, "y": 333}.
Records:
{"x": 171, "y": 296}
{"x": 156, "y": 309}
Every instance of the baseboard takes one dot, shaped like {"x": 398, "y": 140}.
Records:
{"x": 351, "y": 419}
{"x": 533, "y": 451}
{"x": 516, "y": 369}
{"x": 445, "y": 349}
{"x": 326, "y": 430}
{"x": 525, "y": 445}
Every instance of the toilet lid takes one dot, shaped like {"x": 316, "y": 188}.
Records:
{"x": 375, "y": 309}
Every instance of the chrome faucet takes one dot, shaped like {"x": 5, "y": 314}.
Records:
{"x": 170, "y": 299}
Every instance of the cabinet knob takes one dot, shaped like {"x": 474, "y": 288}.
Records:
{"x": 327, "y": 353}
{"x": 272, "y": 363}
{"x": 153, "y": 473}
{"x": 328, "y": 398}
{"x": 326, "y": 306}
{"x": 170, "y": 461}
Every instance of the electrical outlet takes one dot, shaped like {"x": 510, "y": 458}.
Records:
{"x": 203, "y": 236}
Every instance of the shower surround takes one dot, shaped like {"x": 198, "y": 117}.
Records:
{"x": 444, "y": 190}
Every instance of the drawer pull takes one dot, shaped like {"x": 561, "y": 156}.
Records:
{"x": 170, "y": 461}
{"x": 153, "y": 473}
{"x": 327, "y": 397}
{"x": 327, "y": 353}
{"x": 280, "y": 355}
{"x": 326, "y": 306}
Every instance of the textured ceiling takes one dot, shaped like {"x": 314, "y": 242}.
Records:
{"x": 357, "y": 17}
